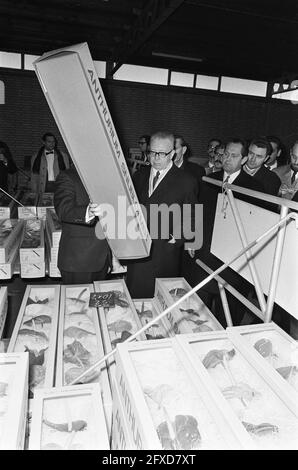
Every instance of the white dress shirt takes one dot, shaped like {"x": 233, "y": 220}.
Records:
{"x": 50, "y": 164}
{"x": 162, "y": 174}
{"x": 231, "y": 177}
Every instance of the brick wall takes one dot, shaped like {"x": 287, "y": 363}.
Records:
{"x": 140, "y": 108}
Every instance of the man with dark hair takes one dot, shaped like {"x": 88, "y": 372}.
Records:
{"x": 288, "y": 174}
{"x": 7, "y": 165}
{"x": 275, "y": 153}
{"x": 232, "y": 173}
{"x": 46, "y": 164}
{"x": 212, "y": 144}
{"x": 218, "y": 156}
{"x": 144, "y": 142}
{"x": 161, "y": 186}
{"x": 181, "y": 160}
{"x": 258, "y": 153}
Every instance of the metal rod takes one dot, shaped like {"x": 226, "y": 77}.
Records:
{"x": 276, "y": 265}
{"x": 279, "y": 201}
{"x": 182, "y": 299}
{"x": 248, "y": 253}
{"x": 225, "y": 304}
{"x": 256, "y": 311}
{"x": 18, "y": 202}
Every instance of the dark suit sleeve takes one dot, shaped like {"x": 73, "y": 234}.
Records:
{"x": 65, "y": 201}
{"x": 189, "y": 200}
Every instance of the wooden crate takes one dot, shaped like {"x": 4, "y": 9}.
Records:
{"x": 53, "y": 227}
{"x": 29, "y": 201}
{"x": 77, "y": 410}
{"x": 80, "y": 341}
{"x": 273, "y": 348}
{"x": 32, "y": 248}
{"x": 7, "y": 270}
{"x": 10, "y": 236}
{"x": 118, "y": 322}
{"x": 32, "y": 270}
{"x": 3, "y": 308}
{"x": 165, "y": 405}
{"x": 13, "y": 400}
{"x": 267, "y": 414}
{"x": 191, "y": 316}
{"x": 45, "y": 201}
{"x": 147, "y": 310}
{"x": 36, "y": 330}
{"x": 120, "y": 436}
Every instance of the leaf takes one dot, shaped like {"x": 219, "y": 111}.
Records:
{"x": 264, "y": 347}
{"x": 76, "y": 354}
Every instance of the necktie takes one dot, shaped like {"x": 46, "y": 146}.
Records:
{"x": 50, "y": 151}
{"x": 293, "y": 177}
{"x": 155, "y": 179}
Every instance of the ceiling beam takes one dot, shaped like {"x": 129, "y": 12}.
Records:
{"x": 241, "y": 11}
{"x": 151, "y": 18}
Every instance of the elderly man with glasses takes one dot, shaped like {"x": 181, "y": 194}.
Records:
{"x": 160, "y": 186}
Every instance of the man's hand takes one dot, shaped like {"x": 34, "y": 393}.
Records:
{"x": 94, "y": 210}
{"x": 191, "y": 252}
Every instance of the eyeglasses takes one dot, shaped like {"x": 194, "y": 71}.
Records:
{"x": 159, "y": 154}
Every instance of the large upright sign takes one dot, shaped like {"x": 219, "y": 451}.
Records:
{"x": 71, "y": 86}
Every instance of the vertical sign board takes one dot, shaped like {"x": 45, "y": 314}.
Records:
{"x": 73, "y": 91}
{"x": 256, "y": 221}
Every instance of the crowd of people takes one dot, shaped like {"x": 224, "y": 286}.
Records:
{"x": 170, "y": 176}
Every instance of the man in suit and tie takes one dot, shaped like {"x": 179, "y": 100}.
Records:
{"x": 258, "y": 153}
{"x": 159, "y": 185}
{"x": 46, "y": 164}
{"x": 234, "y": 158}
{"x": 82, "y": 257}
{"x": 288, "y": 174}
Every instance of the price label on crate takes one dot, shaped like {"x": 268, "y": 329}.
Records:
{"x": 102, "y": 299}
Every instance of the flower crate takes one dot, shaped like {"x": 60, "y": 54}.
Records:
{"x": 191, "y": 316}
{"x": 165, "y": 405}
{"x": 272, "y": 347}
{"x": 32, "y": 248}
{"x": 147, "y": 310}
{"x": 118, "y": 318}
{"x": 13, "y": 400}
{"x": 35, "y": 331}
{"x": 11, "y": 231}
{"x": 236, "y": 381}
{"x": 80, "y": 343}
{"x": 29, "y": 201}
{"x": 68, "y": 418}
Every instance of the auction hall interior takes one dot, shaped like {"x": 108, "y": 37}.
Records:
{"x": 148, "y": 225}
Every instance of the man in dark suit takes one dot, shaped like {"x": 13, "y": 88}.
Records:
{"x": 181, "y": 161}
{"x": 161, "y": 185}
{"x": 258, "y": 153}
{"x": 232, "y": 173}
{"x": 82, "y": 257}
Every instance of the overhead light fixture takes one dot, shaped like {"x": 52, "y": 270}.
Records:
{"x": 180, "y": 57}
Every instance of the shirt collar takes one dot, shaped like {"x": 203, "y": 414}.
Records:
{"x": 164, "y": 171}
{"x": 232, "y": 177}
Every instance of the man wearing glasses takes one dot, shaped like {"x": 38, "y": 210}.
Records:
{"x": 212, "y": 145}
{"x": 288, "y": 175}
{"x": 161, "y": 184}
